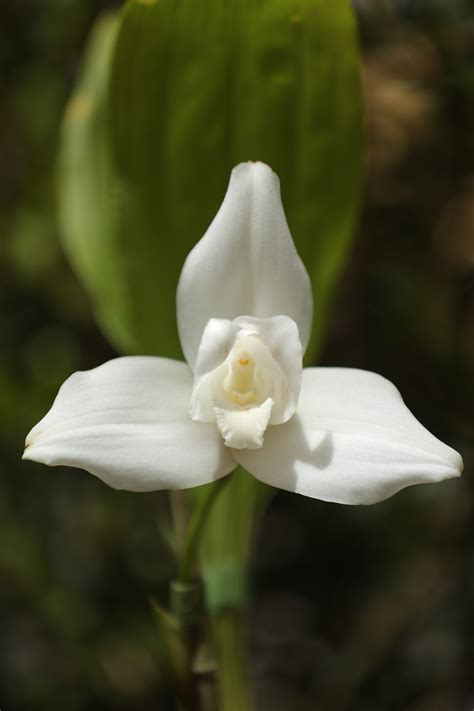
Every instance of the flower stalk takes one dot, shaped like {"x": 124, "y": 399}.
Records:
{"x": 230, "y": 645}
{"x": 232, "y": 686}
{"x": 187, "y": 563}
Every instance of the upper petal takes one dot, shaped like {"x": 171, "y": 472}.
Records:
{"x": 246, "y": 263}
{"x": 127, "y": 422}
{"x": 352, "y": 441}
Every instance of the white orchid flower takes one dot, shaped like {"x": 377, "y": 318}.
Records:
{"x": 244, "y": 309}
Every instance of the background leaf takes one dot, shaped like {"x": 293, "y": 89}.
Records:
{"x": 89, "y": 190}
{"x": 192, "y": 90}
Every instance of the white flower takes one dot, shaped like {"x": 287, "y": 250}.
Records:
{"x": 244, "y": 308}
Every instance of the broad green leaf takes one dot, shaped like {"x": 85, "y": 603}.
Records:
{"x": 192, "y": 89}
{"x": 89, "y": 192}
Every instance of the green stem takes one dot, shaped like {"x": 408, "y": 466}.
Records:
{"x": 180, "y": 513}
{"x": 196, "y": 526}
{"x": 230, "y": 643}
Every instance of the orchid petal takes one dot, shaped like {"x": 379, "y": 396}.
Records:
{"x": 216, "y": 343}
{"x": 246, "y": 263}
{"x": 127, "y": 422}
{"x": 352, "y": 441}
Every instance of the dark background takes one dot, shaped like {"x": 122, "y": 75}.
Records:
{"x": 364, "y": 608}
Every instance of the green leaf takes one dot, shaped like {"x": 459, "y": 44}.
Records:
{"x": 173, "y": 653}
{"x": 89, "y": 192}
{"x": 192, "y": 89}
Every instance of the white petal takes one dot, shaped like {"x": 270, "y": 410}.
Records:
{"x": 246, "y": 263}
{"x": 217, "y": 340}
{"x": 352, "y": 441}
{"x": 244, "y": 429}
{"x": 127, "y": 422}
{"x": 216, "y": 343}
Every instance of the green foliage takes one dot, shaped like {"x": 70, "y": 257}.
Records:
{"x": 87, "y": 187}
{"x": 162, "y": 113}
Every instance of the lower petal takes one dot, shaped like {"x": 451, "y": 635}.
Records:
{"x": 352, "y": 441}
{"x": 127, "y": 422}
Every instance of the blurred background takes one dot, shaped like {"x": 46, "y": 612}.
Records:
{"x": 353, "y": 608}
